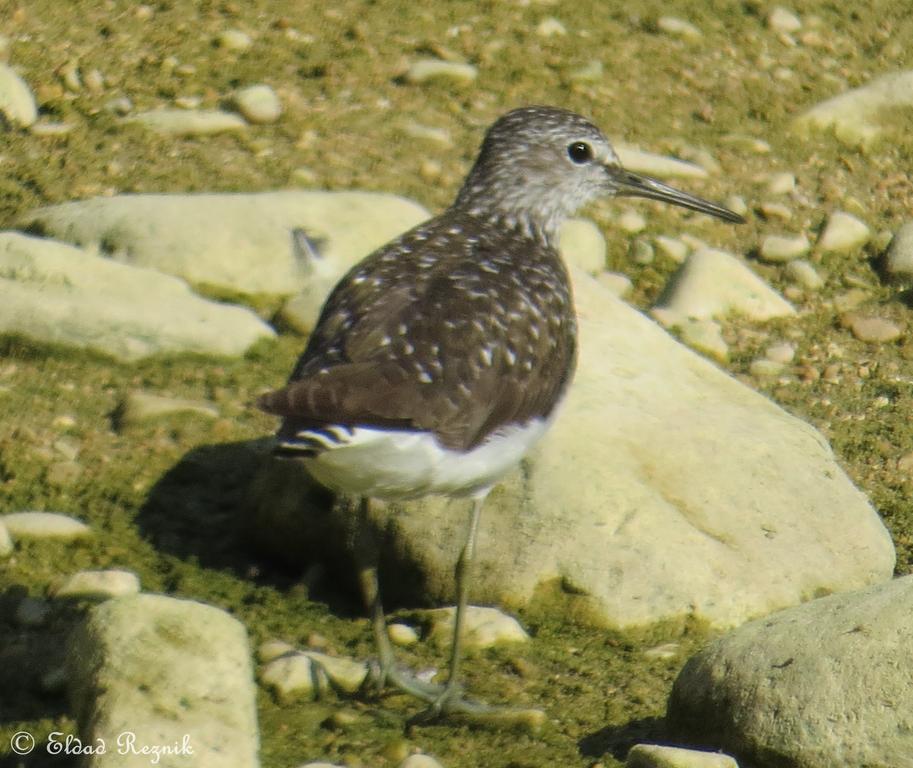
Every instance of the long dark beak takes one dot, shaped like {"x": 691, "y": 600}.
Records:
{"x": 628, "y": 184}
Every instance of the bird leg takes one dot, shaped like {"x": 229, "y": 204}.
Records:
{"x": 443, "y": 699}
{"x": 366, "y": 553}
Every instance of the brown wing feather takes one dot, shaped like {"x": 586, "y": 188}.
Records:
{"x": 437, "y": 334}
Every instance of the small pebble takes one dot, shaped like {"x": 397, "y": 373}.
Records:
{"x": 676, "y": 27}
{"x": 97, "y": 585}
{"x": 420, "y": 761}
{"x": 6, "y": 541}
{"x": 656, "y": 756}
{"x": 428, "y": 70}
{"x": 189, "y": 122}
{"x": 396, "y": 751}
{"x": 737, "y": 204}
{"x": 32, "y": 613}
{"x": 303, "y": 176}
{"x": 140, "y": 407}
{"x": 44, "y": 525}
{"x": 402, "y": 635}
{"x": 781, "y": 19}
{"x": 747, "y": 143}
{"x": 17, "y": 104}
{"x": 764, "y": 368}
{"x": 777, "y": 248}
{"x": 804, "y": 274}
{"x": 875, "y": 330}
{"x": 550, "y": 27}
{"x": 844, "y": 232}
{"x": 783, "y": 352}
{"x": 905, "y": 463}
{"x": 345, "y": 674}
{"x": 45, "y": 128}
{"x": 641, "y": 252}
{"x": 234, "y": 40}
{"x": 483, "y": 627}
{"x": 776, "y": 211}
{"x": 69, "y": 73}
{"x": 632, "y": 222}
{"x": 781, "y": 183}
{"x": 664, "y": 651}
{"x": 258, "y": 104}
{"x": 440, "y": 136}
{"x": 899, "y": 257}
{"x": 341, "y": 720}
{"x": 292, "y": 677}
{"x": 673, "y": 248}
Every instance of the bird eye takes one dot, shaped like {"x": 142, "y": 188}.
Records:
{"x": 580, "y": 152}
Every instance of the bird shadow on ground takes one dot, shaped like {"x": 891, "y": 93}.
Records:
{"x": 617, "y": 740}
{"x": 232, "y": 506}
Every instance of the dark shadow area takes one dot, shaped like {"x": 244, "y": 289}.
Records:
{"x": 233, "y": 506}
{"x": 616, "y": 740}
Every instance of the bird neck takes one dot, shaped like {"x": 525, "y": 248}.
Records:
{"x": 517, "y": 220}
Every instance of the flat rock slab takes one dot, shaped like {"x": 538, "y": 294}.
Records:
{"x": 56, "y": 293}
{"x": 166, "y": 671}
{"x": 237, "y": 242}
{"x": 820, "y": 685}
{"x": 665, "y": 489}
{"x": 857, "y": 117}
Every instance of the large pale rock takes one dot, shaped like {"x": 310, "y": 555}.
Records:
{"x": 641, "y": 161}
{"x": 164, "y": 670}
{"x": 820, "y": 685}
{"x": 240, "y": 242}
{"x": 857, "y": 117}
{"x": 665, "y": 489}
{"x": 57, "y": 293}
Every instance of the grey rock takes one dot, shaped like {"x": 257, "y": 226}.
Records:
{"x": 239, "y": 242}
{"x": 188, "y": 122}
{"x": 293, "y": 677}
{"x": 57, "y": 293}
{"x": 258, "y": 104}
{"x": 651, "y": 426}
{"x": 17, "y": 104}
{"x": 712, "y": 284}
{"x": 167, "y": 670}
{"x": 44, "y": 525}
{"x": 402, "y": 634}
{"x": 899, "y": 257}
{"x": 823, "y": 684}
{"x": 96, "y": 585}
{"x": 857, "y": 117}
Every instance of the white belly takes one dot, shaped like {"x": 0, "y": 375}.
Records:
{"x": 404, "y": 465}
